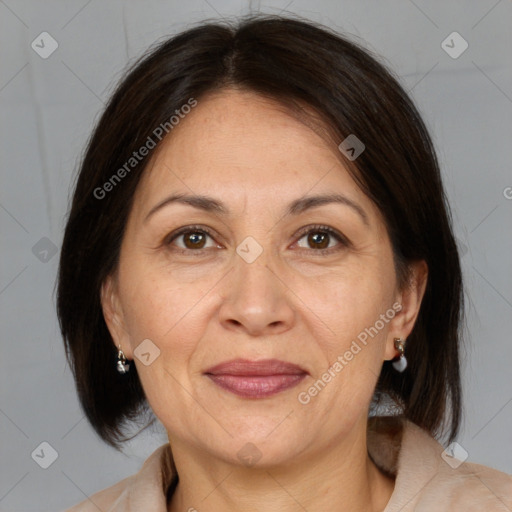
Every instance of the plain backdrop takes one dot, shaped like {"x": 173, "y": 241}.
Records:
{"x": 48, "y": 108}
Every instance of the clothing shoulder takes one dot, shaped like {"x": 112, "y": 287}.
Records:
{"x": 431, "y": 478}
{"x": 469, "y": 487}
{"x": 139, "y": 492}
{"x": 104, "y": 500}
{"x": 428, "y": 477}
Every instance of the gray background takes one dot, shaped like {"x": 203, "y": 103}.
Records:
{"x": 48, "y": 110}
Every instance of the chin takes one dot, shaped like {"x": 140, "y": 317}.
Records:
{"x": 261, "y": 453}
{"x": 262, "y": 442}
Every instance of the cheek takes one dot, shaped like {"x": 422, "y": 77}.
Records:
{"x": 348, "y": 302}
{"x": 157, "y": 304}
{"x": 169, "y": 314}
{"x": 172, "y": 314}
{"x": 351, "y": 305}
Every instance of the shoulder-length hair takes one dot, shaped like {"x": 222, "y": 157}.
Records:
{"x": 297, "y": 63}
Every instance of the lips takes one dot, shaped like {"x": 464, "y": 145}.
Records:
{"x": 256, "y": 379}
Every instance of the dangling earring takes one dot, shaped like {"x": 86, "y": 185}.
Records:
{"x": 400, "y": 364}
{"x": 122, "y": 365}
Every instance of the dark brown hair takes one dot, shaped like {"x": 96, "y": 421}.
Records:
{"x": 296, "y": 63}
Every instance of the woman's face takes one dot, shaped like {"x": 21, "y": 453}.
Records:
{"x": 247, "y": 267}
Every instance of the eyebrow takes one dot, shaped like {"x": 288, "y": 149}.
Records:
{"x": 211, "y": 205}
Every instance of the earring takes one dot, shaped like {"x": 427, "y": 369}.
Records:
{"x": 122, "y": 365}
{"x": 400, "y": 364}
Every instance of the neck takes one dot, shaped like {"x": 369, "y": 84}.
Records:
{"x": 339, "y": 477}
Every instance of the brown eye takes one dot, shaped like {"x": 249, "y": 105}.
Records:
{"x": 194, "y": 240}
{"x": 322, "y": 239}
{"x": 190, "y": 238}
{"x": 318, "y": 240}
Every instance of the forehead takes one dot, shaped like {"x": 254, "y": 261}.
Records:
{"x": 238, "y": 145}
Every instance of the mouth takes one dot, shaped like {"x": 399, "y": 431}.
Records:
{"x": 256, "y": 379}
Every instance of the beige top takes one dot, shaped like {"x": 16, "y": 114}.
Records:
{"x": 424, "y": 480}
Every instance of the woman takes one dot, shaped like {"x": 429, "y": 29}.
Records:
{"x": 259, "y": 252}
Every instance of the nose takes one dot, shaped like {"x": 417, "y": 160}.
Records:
{"x": 256, "y": 299}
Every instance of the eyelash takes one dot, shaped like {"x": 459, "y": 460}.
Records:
{"x": 305, "y": 231}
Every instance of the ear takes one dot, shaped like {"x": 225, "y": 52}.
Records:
{"x": 114, "y": 317}
{"x": 410, "y": 299}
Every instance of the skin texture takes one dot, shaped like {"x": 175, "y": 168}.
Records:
{"x": 293, "y": 303}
